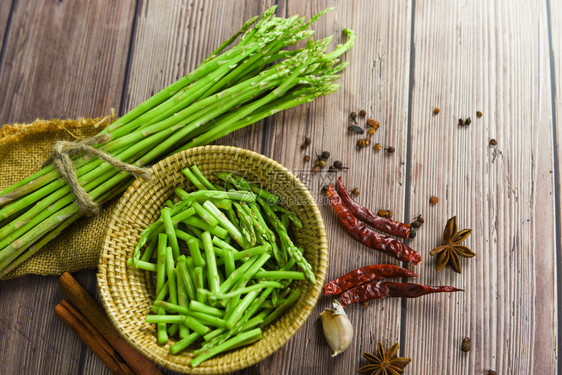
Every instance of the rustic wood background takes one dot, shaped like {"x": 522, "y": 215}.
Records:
{"x": 73, "y": 58}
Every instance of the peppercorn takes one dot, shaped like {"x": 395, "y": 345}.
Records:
{"x": 332, "y": 169}
{"x": 355, "y": 191}
{"x": 376, "y": 125}
{"x": 493, "y": 142}
{"x": 307, "y": 141}
{"x": 416, "y": 224}
{"x": 320, "y": 163}
{"x": 371, "y": 131}
{"x": 479, "y": 114}
{"x": 361, "y": 143}
{"x": 433, "y": 200}
{"x": 412, "y": 234}
{"x": 325, "y": 155}
{"x": 370, "y": 122}
{"x": 362, "y": 113}
{"x": 315, "y": 170}
{"x": 353, "y": 116}
{"x": 306, "y": 158}
{"x": 390, "y": 149}
{"x": 367, "y": 141}
{"x": 377, "y": 146}
{"x": 338, "y": 164}
{"x": 465, "y": 347}
{"x": 420, "y": 219}
{"x": 325, "y": 187}
{"x": 381, "y": 212}
{"x": 436, "y": 111}
{"x": 461, "y": 122}
{"x": 468, "y": 121}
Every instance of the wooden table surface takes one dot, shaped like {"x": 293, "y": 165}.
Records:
{"x": 69, "y": 58}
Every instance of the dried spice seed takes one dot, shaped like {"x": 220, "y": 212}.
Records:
{"x": 362, "y": 113}
{"x": 420, "y": 219}
{"x": 355, "y": 191}
{"x": 320, "y": 163}
{"x": 461, "y": 122}
{"x": 367, "y": 141}
{"x": 465, "y": 346}
{"x": 371, "y": 131}
{"x": 451, "y": 250}
{"x": 479, "y": 114}
{"x": 306, "y": 158}
{"x": 390, "y": 149}
{"x": 365, "y": 304}
{"x": 353, "y": 116}
{"x": 370, "y": 122}
{"x": 361, "y": 143}
{"x": 415, "y": 224}
{"x": 384, "y": 362}
{"x": 307, "y": 141}
{"x": 315, "y": 169}
{"x": 412, "y": 234}
{"x": 338, "y": 164}
{"x": 356, "y": 129}
{"x": 332, "y": 169}
{"x": 324, "y": 188}
{"x": 325, "y": 155}
{"x": 381, "y": 212}
{"x": 468, "y": 121}
{"x": 493, "y": 142}
{"x": 377, "y": 147}
{"x": 433, "y": 200}
{"x": 436, "y": 111}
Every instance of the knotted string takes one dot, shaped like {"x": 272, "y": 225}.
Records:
{"x": 62, "y": 150}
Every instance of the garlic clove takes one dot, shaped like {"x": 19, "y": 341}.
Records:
{"x": 337, "y": 328}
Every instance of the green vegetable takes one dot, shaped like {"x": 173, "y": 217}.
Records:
{"x": 226, "y": 92}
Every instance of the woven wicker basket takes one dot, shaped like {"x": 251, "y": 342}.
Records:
{"x": 127, "y": 293}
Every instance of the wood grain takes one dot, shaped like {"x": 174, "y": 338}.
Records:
{"x": 5, "y": 11}
{"x": 555, "y": 8}
{"x": 377, "y": 81}
{"x": 70, "y": 59}
{"x": 493, "y": 57}
{"x": 61, "y": 59}
{"x": 172, "y": 39}
{"x": 64, "y": 59}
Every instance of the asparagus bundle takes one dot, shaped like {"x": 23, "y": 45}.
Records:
{"x": 228, "y": 91}
{"x": 222, "y": 274}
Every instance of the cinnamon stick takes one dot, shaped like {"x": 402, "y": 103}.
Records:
{"x": 87, "y": 333}
{"x": 96, "y": 315}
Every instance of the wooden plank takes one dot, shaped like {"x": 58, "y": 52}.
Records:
{"x": 377, "y": 81}
{"x": 555, "y": 8}
{"x": 493, "y": 57}
{"x": 172, "y": 39}
{"x": 64, "y": 59}
{"x": 60, "y": 60}
{"x": 5, "y": 11}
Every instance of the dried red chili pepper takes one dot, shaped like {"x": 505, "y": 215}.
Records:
{"x": 383, "y": 224}
{"x": 384, "y": 289}
{"x": 367, "y": 236}
{"x": 363, "y": 275}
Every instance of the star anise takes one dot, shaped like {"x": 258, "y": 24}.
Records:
{"x": 384, "y": 363}
{"x": 451, "y": 250}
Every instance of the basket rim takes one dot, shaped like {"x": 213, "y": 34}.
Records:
{"x": 310, "y": 298}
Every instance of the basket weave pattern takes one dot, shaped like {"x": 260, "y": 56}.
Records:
{"x": 127, "y": 293}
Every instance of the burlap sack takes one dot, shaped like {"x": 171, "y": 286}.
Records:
{"x": 23, "y": 149}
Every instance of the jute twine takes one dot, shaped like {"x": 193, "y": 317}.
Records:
{"x": 23, "y": 150}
